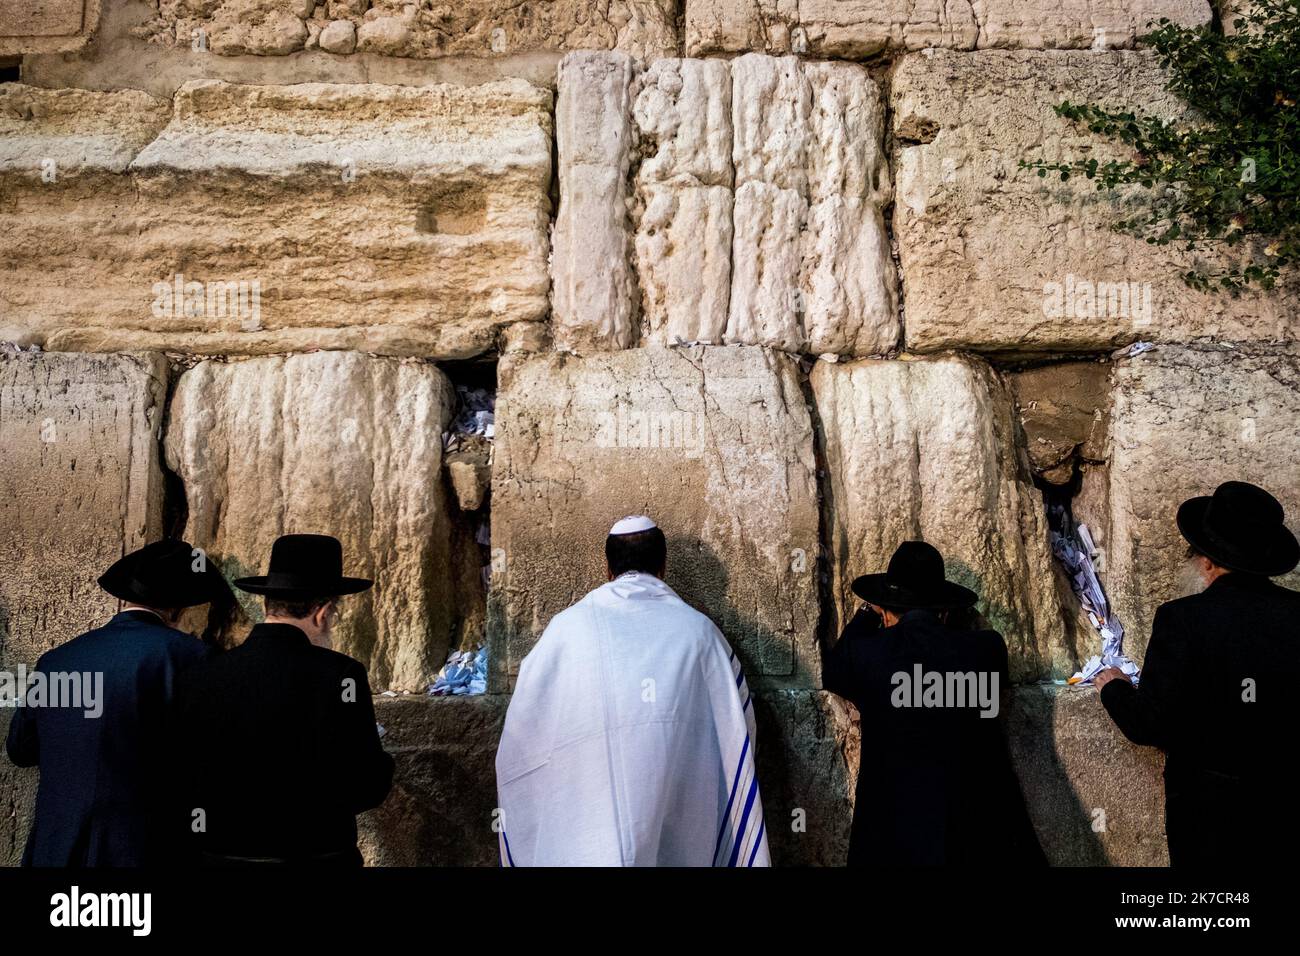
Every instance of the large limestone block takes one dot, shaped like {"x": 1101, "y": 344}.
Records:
{"x": 813, "y": 270}
{"x": 398, "y": 220}
{"x": 80, "y": 485}
{"x": 441, "y": 28}
{"x": 682, "y": 203}
{"x": 334, "y": 443}
{"x": 715, "y": 443}
{"x": 855, "y": 29}
{"x": 706, "y": 201}
{"x": 995, "y": 258}
{"x": 49, "y": 136}
{"x": 47, "y": 26}
{"x": 927, "y": 450}
{"x": 1184, "y": 420}
{"x": 593, "y": 303}
{"x": 1095, "y": 799}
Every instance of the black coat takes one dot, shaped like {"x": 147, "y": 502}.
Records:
{"x": 278, "y": 748}
{"x": 935, "y": 784}
{"x": 1229, "y": 773}
{"x": 102, "y": 779}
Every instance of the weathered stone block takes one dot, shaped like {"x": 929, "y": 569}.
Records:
{"x": 704, "y": 202}
{"x": 1095, "y": 799}
{"x": 80, "y": 485}
{"x": 1062, "y": 407}
{"x": 334, "y": 443}
{"x": 995, "y": 258}
{"x": 17, "y": 801}
{"x": 477, "y": 28}
{"x": 854, "y": 29}
{"x": 928, "y": 450}
{"x": 715, "y": 443}
{"x": 1184, "y": 420}
{"x": 682, "y": 203}
{"x": 49, "y": 136}
{"x": 398, "y": 220}
{"x": 440, "y": 810}
{"x": 593, "y": 304}
{"x": 807, "y": 755}
{"x": 47, "y": 26}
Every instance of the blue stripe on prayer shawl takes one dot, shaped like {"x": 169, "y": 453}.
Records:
{"x": 505, "y": 839}
{"x": 744, "y": 819}
{"x": 757, "y": 840}
{"x": 726, "y": 814}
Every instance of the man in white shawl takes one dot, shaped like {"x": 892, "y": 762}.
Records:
{"x": 630, "y": 737}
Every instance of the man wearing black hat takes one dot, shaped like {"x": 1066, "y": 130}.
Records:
{"x": 935, "y": 784}
{"x": 278, "y": 735}
{"x": 1217, "y": 686}
{"x": 103, "y": 775}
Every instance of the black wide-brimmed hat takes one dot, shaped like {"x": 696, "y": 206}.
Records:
{"x": 304, "y": 566}
{"x": 160, "y": 575}
{"x": 914, "y": 582}
{"x": 1240, "y": 527}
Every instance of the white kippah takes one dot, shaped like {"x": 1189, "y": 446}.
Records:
{"x": 632, "y": 524}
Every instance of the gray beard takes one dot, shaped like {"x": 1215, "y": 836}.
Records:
{"x": 1189, "y": 580}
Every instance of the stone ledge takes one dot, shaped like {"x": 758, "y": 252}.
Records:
{"x": 399, "y": 220}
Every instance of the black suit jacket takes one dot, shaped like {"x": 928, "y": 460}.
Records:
{"x": 279, "y": 751}
{"x": 1229, "y": 777}
{"x": 100, "y": 797}
{"x": 935, "y": 785}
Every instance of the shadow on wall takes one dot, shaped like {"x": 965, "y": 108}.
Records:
{"x": 1095, "y": 799}
{"x": 702, "y": 580}
{"x": 17, "y": 801}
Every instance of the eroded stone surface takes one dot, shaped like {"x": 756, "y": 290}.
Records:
{"x": 80, "y": 485}
{"x": 440, "y": 810}
{"x": 593, "y": 304}
{"x": 1095, "y": 799}
{"x": 477, "y": 28}
{"x": 807, "y": 756}
{"x": 854, "y": 29}
{"x": 1184, "y": 420}
{"x": 50, "y": 135}
{"x": 398, "y": 220}
{"x": 927, "y": 450}
{"x": 47, "y": 26}
{"x": 330, "y": 443}
{"x": 1062, "y": 409}
{"x": 714, "y": 442}
{"x": 683, "y": 198}
{"x": 995, "y": 258}
{"x": 17, "y": 802}
{"x": 703, "y": 201}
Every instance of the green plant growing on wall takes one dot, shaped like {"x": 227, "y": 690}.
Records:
{"x": 1229, "y": 174}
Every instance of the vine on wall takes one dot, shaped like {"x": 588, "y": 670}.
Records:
{"x": 1228, "y": 174}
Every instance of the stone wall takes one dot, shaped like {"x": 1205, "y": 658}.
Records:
{"x": 767, "y": 270}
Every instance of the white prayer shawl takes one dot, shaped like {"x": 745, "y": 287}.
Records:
{"x": 629, "y": 740}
